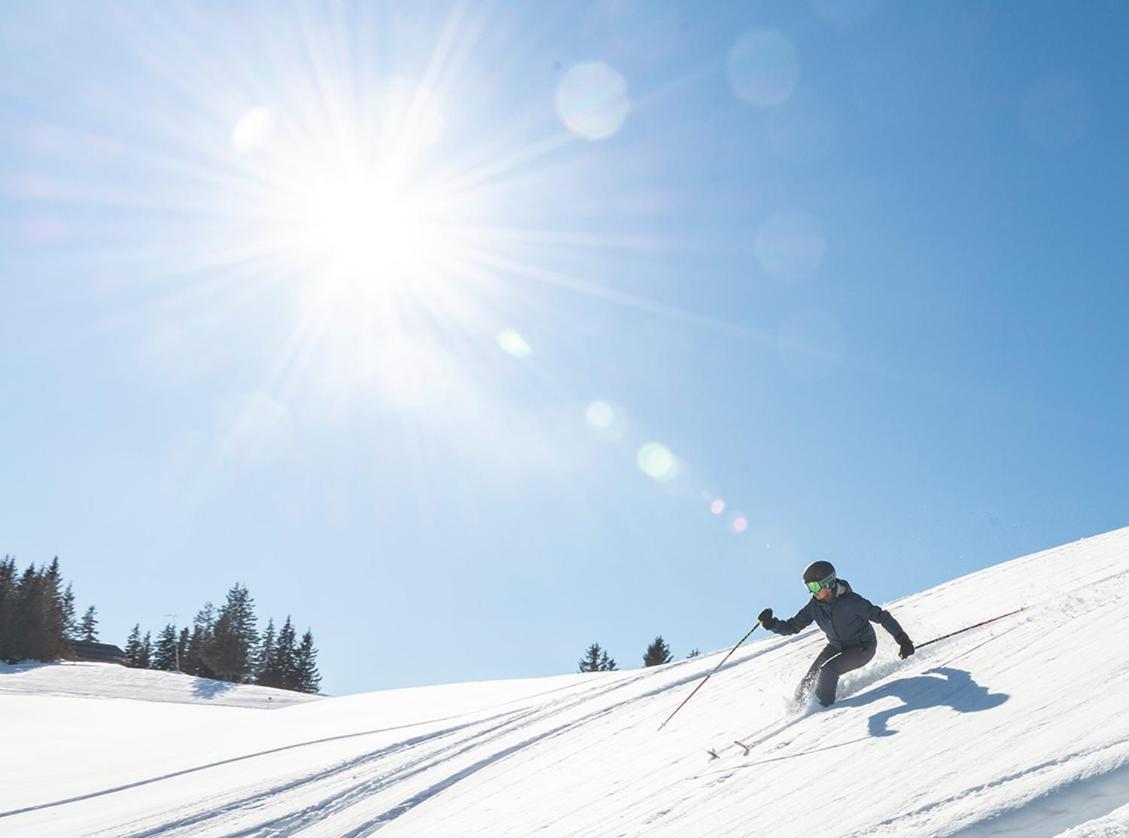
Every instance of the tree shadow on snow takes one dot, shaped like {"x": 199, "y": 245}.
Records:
{"x": 21, "y": 667}
{"x": 939, "y": 687}
{"x": 207, "y": 688}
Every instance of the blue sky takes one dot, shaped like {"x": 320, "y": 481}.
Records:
{"x": 472, "y": 334}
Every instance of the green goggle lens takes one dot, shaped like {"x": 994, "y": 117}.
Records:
{"x": 816, "y": 587}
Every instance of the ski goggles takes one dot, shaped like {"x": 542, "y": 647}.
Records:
{"x": 816, "y": 587}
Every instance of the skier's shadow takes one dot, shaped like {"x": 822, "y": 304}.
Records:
{"x": 939, "y": 687}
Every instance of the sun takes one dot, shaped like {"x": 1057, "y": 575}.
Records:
{"x": 365, "y": 230}
{"x": 355, "y": 212}
{"x": 345, "y": 194}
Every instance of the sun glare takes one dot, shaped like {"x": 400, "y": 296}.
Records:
{"x": 391, "y": 219}
{"x": 393, "y": 213}
{"x": 352, "y": 210}
{"x": 363, "y": 230}
{"x": 351, "y": 206}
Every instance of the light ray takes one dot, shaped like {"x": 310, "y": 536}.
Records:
{"x": 600, "y": 292}
{"x": 340, "y": 196}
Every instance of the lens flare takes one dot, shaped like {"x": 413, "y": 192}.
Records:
{"x": 600, "y": 415}
{"x": 606, "y": 421}
{"x": 253, "y": 131}
{"x": 657, "y": 462}
{"x": 592, "y": 100}
{"x": 763, "y": 68}
{"x": 514, "y": 344}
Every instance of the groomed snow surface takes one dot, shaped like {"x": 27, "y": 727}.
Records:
{"x": 1016, "y": 728}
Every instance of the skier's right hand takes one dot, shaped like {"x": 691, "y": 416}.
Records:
{"x": 765, "y": 618}
{"x": 905, "y": 646}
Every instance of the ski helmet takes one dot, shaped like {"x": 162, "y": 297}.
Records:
{"x": 820, "y": 574}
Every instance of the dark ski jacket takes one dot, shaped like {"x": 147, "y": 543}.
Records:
{"x": 845, "y": 619}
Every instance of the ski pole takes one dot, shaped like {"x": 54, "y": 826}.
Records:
{"x": 968, "y": 628}
{"x": 715, "y": 669}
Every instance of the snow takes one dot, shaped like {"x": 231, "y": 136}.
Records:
{"x": 101, "y": 680}
{"x": 1014, "y": 728}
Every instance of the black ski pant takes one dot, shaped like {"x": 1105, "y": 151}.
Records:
{"x": 828, "y": 666}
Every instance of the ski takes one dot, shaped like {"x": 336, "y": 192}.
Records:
{"x": 762, "y": 735}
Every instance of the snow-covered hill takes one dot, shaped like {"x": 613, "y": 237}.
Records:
{"x": 1016, "y": 728}
{"x": 100, "y": 680}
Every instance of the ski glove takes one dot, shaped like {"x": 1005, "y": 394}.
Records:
{"x": 766, "y": 619}
{"x": 905, "y": 645}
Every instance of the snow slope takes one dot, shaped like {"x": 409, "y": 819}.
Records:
{"x": 100, "y": 680}
{"x": 1016, "y": 728}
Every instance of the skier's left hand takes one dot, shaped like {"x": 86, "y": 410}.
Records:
{"x": 905, "y": 646}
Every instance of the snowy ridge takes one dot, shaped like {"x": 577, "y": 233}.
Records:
{"x": 1015, "y": 728}
{"x": 102, "y": 680}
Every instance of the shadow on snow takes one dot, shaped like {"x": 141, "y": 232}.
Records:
{"x": 210, "y": 688}
{"x": 939, "y": 687}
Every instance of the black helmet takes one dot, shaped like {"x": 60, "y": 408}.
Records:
{"x": 821, "y": 574}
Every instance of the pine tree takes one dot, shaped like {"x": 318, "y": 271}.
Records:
{"x": 37, "y": 633}
{"x": 36, "y": 613}
{"x": 182, "y": 647}
{"x": 25, "y": 616}
{"x": 8, "y": 594}
{"x": 197, "y": 657}
{"x": 235, "y": 637}
{"x": 264, "y": 658}
{"x": 657, "y": 653}
{"x": 591, "y": 660}
{"x": 596, "y": 660}
{"x": 285, "y": 663}
{"x": 146, "y": 658}
{"x": 70, "y": 622}
{"x": 54, "y": 640}
{"x": 165, "y": 655}
{"x": 306, "y": 659}
{"x": 133, "y": 648}
{"x": 88, "y": 628}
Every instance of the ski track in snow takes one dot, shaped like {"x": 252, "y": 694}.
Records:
{"x": 1031, "y": 816}
{"x": 362, "y": 791}
{"x": 358, "y": 792}
{"x": 220, "y": 763}
{"x": 338, "y": 801}
{"x": 1015, "y": 728}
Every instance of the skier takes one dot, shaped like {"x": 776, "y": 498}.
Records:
{"x": 845, "y": 618}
